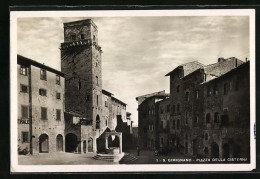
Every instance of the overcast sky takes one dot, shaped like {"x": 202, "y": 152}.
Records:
{"x": 139, "y": 51}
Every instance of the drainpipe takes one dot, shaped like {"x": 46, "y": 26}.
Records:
{"x": 30, "y": 109}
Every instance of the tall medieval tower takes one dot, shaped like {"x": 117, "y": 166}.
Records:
{"x": 81, "y": 64}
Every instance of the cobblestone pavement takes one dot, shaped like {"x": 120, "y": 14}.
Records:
{"x": 64, "y": 158}
{"x": 148, "y": 157}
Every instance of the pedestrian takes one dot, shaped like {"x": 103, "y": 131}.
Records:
{"x": 138, "y": 151}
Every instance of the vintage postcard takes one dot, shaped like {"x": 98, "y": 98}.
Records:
{"x": 132, "y": 91}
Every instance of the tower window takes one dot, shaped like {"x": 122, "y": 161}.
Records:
{"x": 82, "y": 36}
{"x": 173, "y": 108}
{"x": 73, "y": 37}
{"x": 97, "y": 79}
{"x": 94, "y": 38}
{"x": 97, "y": 100}
{"x": 23, "y": 70}
{"x": 43, "y": 74}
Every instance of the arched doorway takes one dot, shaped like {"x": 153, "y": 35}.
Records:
{"x": 97, "y": 122}
{"x": 84, "y": 146}
{"x": 59, "y": 142}
{"x": 186, "y": 148}
{"x": 195, "y": 146}
{"x": 44, "y": 143}
{"x": 90, "y": 145}
{"x": 214, "y": 150}
{"x": 225, "y": 148}
{"x": 236, "y": 151}
{"x": 71, "y": 143}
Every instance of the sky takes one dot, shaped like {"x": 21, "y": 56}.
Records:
{"x": 139, "y": 51}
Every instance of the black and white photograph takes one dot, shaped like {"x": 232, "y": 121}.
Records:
{"x": 135, "y": 91}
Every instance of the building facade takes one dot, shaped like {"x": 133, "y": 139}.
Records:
{"x": 40, "y": 107}
{"x": 205, "y": 102}
{"x": 148, "y": 119}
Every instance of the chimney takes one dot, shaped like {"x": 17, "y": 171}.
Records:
{"x": 221, "y": 59}
{"x": 236, "y": 62}
{"x": 246, "y": 59}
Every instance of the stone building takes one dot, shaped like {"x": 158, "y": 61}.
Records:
{"x": 209, "y": 109}
{"x": 69, "y": 111}
{"x": 226, "y": 131}
{"x": 148, "y": 119}
{"x": 40, "y": 107}
{"x": 164, "y": 122}
{"x": 97, "y": 108}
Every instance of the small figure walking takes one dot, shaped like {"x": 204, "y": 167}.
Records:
{"x": 138, "y": 151}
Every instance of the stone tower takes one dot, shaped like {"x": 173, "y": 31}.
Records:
{"x": 81, "y": 64}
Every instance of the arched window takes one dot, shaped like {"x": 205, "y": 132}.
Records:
{"x": 178, "y": 107}
{"x": 206, "y": 150}
{"x": 178, "y": 124}
{"x": 208, "y": 118}
{"x": 178, "y": 88}
{"x": 79, "y": 85}
{"x": 186, "y": 117}
{"x": 97, "y": 122}
{"x": 206, "y": 136}
{"x": 196, "y": 119}
{"x": 187, "y": 96}
{"x": 173, "y": 124}
{"x": 173, "y": 108}
{"x": 216, "y": 117}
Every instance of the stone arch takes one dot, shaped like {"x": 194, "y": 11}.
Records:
{"x": 214, "y": 150}
{"x": 71, "y": 142}
{"x": 44, "y": 143}
{"x": 90, "y": 144}
{"x": 59, "y": 142}
{"x": 225, "y": 150}
{"x": 216, "y": 117}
